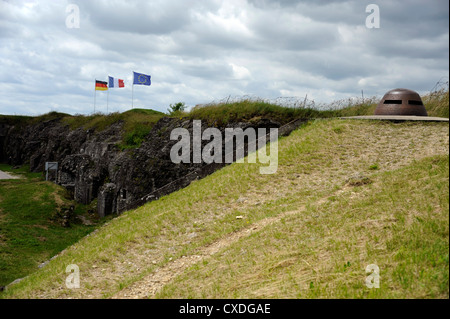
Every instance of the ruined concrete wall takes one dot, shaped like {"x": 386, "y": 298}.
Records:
{"x": 4, "y": 129}
{"x": 92, "y": 166}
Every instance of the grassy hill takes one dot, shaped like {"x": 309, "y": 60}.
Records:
{"x": 436, "y": 104}
{"x": 347, "y": 194}
{"x": 31, "y": 230}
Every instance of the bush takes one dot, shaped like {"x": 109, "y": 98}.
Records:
{"x": 176, "y": 109}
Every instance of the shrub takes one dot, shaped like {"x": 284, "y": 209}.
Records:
{"x": 176, "y": 109}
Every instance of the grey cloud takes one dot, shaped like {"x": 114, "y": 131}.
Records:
{"x": 142, "y": 17}
{"x": 213, "y": 70}
{"x": 279, "y": 36}
{"x": 288, "y": 47}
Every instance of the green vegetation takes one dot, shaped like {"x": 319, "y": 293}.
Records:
{"x": 137, "y": 123}
{"x": 14, "y": 119}
{"x": 437, "y": 103}
{"x": 177, "y": 109}
{"x": 23, "y": 171}
{"x": 100, "y": 122}
{"x": 322, "y": 251}
{"x": 304, "y": 232}
{"x": 354, "y": 108}
{"x": 307, "y": 231}
{"x": 135, "y": 136}
{"x": 30, "y": 230}
{"x": 251, "y": 110}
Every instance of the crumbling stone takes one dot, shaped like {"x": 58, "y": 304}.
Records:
{"x": 92, "y": 166}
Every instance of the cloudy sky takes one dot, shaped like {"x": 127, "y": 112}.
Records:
{"x": 199, "y": 51}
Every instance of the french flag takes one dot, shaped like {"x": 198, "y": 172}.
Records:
{"x": 115, "y": 83}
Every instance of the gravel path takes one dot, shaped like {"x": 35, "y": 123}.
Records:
{"x": 4, "y": 175}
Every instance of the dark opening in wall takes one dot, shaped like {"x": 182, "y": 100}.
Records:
{"x": 392, "y": 101}
{"x": 123, "y": 193}
{"x": 412, "y": 102}
{"x": 2, "y": 142}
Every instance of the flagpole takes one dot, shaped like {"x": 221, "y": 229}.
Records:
{"x": 95, "y": 93}
{"x": 132, "y": 93}
{"x": 107, "y": 101}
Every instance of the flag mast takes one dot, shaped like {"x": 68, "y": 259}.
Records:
{"x": 107, "y": 101}
{"x": 137, "y": 79}
{"x": 132, "y": 93}
{"x": 95, "y": 92}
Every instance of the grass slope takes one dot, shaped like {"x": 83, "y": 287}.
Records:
{"x": 29, "y": 234}
{"x": 307, "y": 231}
{"x": 399, "y": 223}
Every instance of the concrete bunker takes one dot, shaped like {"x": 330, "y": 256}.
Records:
{"x": 401, "y": 102}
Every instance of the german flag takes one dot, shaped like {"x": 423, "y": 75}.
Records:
{"x": 101, "y": 86}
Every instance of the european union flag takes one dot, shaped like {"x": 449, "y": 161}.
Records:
{"x": 141, "y": 79}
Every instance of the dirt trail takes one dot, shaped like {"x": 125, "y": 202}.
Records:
{"x": 149, "y": 286}
{"x": 4, "y": 175}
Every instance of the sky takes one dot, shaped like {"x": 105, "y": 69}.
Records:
{"x": 204, "y": 51}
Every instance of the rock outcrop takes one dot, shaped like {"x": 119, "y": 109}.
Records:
{"x": 92, "y": 166}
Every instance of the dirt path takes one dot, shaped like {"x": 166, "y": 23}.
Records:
{"x": 4, "y": 175}
{"x": 150, "y": 285}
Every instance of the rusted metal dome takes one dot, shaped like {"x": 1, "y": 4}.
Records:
{"x": 401, "y": 102}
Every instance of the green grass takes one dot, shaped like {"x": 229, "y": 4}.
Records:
{"x": 14, "y": 119}
{"x": 29, "y": 232}
{"x": 137, "y": 123}
{"x": 321, "y": 251}
{"x": 101, "y": 121}
{"x": 397, "y": 220}
{"x": 437, "y": 104}
{"x": 405, "y": 233}
{"x": 366, "y": 107}
{"x": 250, "y": 110}
{"x": 23, "y": 170}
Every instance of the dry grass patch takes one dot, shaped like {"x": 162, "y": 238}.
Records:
{"x": 322, "y": 252}
{"x": 314, "y": 164}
